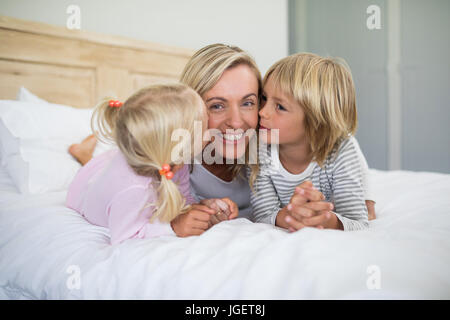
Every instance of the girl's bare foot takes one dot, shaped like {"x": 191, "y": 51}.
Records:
{"x": 83, "y": 151}
{"x": 371, "y": 209}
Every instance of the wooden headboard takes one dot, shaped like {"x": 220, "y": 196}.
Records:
{"x": 77, "y": 68}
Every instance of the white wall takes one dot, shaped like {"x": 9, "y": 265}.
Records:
{"x": 259, "y": 27}
{"x": 345, "y": 35}
{"x": 401, "y": 73}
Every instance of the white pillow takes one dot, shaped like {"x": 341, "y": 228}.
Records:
{"x": 26, "y": 96}
{"x": 34, "y": 140}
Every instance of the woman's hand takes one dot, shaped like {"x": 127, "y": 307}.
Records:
{"x": 225, "y": 209}
{"x": 232, "y": 207}
{"x": 194, "y": 222}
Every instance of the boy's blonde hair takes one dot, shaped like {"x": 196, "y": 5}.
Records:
{"x": 324, "y": 88}
{"x": 206, "y": 66}
{"x": 142, "y": 129}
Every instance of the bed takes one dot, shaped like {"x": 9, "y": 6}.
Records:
{"x": 48, "y": 251}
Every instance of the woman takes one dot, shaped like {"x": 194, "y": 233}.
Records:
{"x": 229, "y": 82}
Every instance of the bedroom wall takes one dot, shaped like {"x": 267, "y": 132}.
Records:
{"x": 401, "y": 73}
{"x": 260, "y": 27}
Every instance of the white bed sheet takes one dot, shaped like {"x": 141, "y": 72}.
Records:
{"x": 43, "y": 245}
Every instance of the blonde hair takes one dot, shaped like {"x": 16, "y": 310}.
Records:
{"x": 206, "y": 66}
{"x": 324, "y": 88}
{"x": 142, "y": 129}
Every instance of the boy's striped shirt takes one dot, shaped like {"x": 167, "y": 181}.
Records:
{"x": 342, "y": 180}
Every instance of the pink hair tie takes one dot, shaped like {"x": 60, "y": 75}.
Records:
{"x": 166, "y": 171}
{"x": 115, "y": 103}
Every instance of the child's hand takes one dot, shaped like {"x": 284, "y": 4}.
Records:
{"x": 312, "y": 214}
{"x": 306, "y": 192}
{"x": 305, "y": 209}
{"x": 225, "y": 208}
{"x": 194, "y": 222}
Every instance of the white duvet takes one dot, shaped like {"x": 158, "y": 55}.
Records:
{"x": 48, "y": 251}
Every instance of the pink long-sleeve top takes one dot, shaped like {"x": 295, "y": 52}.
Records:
{"x": 108, "y": 193}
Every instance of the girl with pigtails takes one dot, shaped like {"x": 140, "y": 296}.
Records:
{"x": 137, "y": 190}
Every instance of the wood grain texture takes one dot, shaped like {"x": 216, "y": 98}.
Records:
{"x": 78, "y": 68}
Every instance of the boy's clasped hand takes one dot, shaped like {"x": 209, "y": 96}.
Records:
{"x": 306, "y": 208}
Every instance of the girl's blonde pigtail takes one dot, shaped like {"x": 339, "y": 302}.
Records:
{"x": 104, "y": 119}
{"x": 170, "y": 201}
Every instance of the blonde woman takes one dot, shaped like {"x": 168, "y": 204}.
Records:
{"x": 138, "y": 190}
{"x": 229, "y": 82}
{"x": 310, "y": 100}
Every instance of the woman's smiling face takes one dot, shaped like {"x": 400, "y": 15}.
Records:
{"x": 232, "y": 106}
